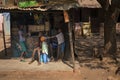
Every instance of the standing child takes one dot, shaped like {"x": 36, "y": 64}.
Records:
{"x": 22, "y": 42}
{"x": 44, "y": 50}
{"x": 61, "y": 44}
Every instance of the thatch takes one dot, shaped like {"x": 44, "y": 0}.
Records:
{"x": 66, "y": 6}
{"x": 89, "y": 4}
{"x": 63, "y": 4}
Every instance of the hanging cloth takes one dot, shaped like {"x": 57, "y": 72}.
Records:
{"x": 1, "y": 22}
{"x": 6, "y": 19}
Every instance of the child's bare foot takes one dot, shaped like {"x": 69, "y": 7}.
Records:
{"x": 22, "y": 59}
{"x": 31, "y": 61}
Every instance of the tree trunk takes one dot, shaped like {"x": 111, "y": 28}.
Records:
{"x": 111, "y": 17}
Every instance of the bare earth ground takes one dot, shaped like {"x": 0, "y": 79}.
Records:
{"x": 13, "y": 69}
{"x": 38, "y": 75}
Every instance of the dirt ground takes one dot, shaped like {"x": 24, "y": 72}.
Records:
{"x": 38, "y": 75}
{"x": 88, "y": 69}
{"x": 11, "y": 69}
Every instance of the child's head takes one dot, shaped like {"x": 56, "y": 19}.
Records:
{"x": 42, "y": 38}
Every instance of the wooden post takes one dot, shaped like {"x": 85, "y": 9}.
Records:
{"x": 66, "y": 17}
{"x": 71, "y": 45}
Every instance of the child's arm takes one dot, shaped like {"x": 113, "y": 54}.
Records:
{"x": 50, "y": 37}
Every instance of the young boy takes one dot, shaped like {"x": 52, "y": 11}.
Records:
{"x": 61, "y": 44}
{"x": 22, "y": 42}
{"x": 44, "y": 50}
{"x": 38, "y": 50}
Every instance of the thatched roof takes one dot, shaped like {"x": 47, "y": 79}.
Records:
{"x": 89, "y": 3}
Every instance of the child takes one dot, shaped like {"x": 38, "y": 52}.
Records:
{"x": 22, "y": 42}
{"x": 44, "y": 50}
{"x": 38, "y": 50}
{"x": 61, "y": 44}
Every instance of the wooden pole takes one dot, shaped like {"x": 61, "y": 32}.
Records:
{"x": 67, "y": 20}
{"x": 71, "y": 45}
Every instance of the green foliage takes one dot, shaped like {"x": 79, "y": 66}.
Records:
{"x": 24, "y": 4}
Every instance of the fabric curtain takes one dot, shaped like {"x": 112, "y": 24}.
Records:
{"x": 6, "y": 23}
